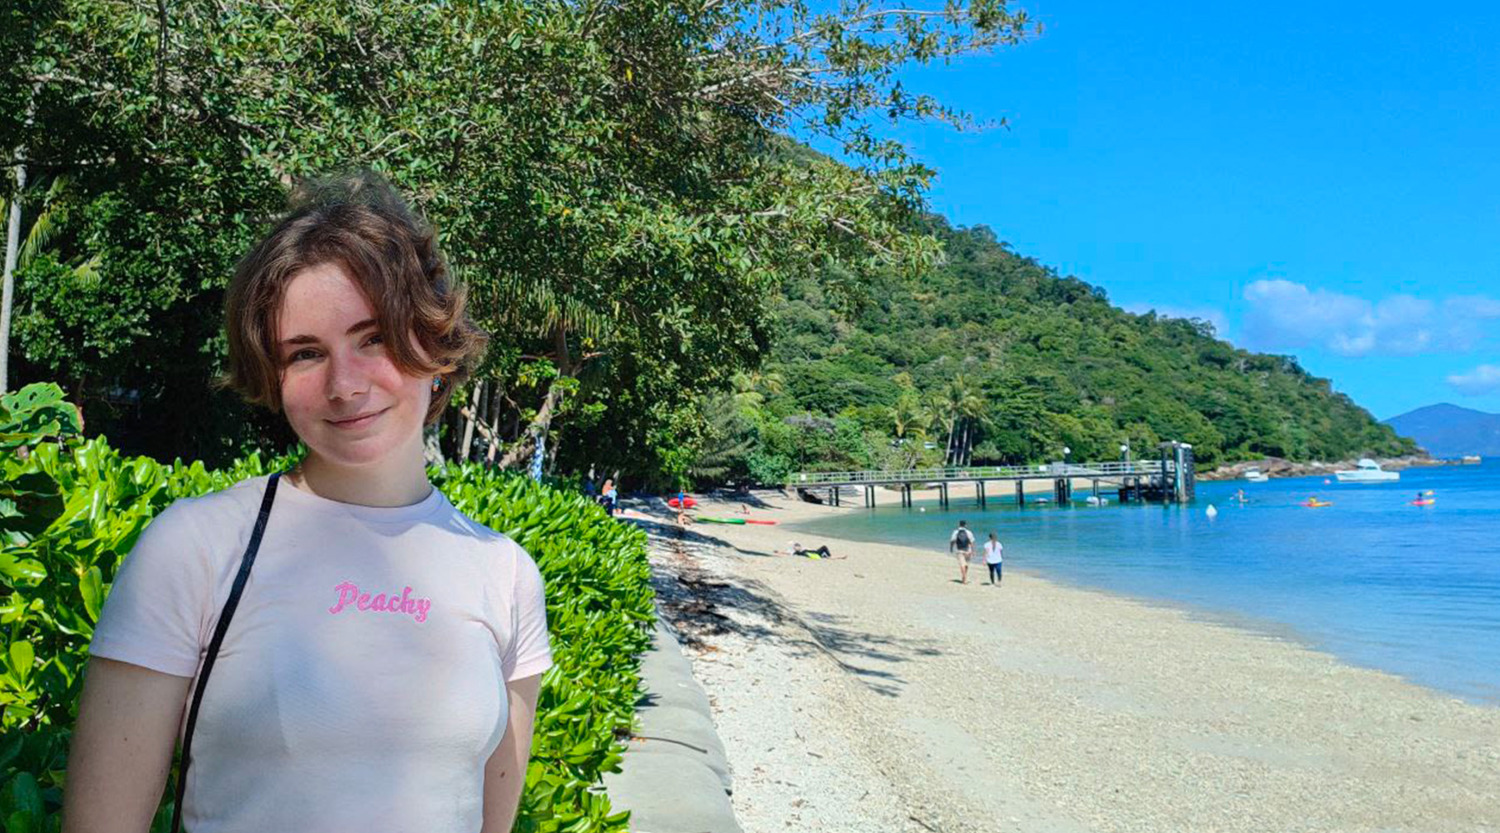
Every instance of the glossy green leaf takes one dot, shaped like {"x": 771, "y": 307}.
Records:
{"x": 22, "y": 658}
{"x": 91, "y": 587}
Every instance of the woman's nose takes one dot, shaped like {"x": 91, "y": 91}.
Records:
{"x": 347, "y": 377}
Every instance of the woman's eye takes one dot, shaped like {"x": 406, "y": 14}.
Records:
{"x": 313, "y": 354}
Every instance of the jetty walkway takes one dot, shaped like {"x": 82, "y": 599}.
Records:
{"x": 1168, "y": 479}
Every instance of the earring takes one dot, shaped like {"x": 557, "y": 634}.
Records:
{"x": 437, "y": 384}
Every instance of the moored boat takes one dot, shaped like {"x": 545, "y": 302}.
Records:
{"x": 1368, "y": 471}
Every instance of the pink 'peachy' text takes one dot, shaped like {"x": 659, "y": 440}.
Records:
{"x": 349, "y": 595}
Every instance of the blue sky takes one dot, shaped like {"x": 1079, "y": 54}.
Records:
{"x": 1320, "y": 180}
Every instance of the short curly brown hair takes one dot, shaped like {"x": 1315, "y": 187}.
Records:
{"x": 360, "y": 222}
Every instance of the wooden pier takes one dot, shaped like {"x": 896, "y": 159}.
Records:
{"x": 1168, "y": 479}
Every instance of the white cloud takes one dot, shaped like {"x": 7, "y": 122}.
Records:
{"x": 1467, "y": 316}
{"x": 1482, "y": 379}
{"x": 1212, "y": 315}
{"x": 1284, "y": 314}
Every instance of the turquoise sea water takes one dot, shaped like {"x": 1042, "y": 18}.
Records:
{"x": 1372, "y": 579}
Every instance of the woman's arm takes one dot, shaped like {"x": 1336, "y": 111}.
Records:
{"x": 128, "y": 718}
{"x": 505, "y": 773}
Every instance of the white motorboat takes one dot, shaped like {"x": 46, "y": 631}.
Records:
{"x": 1367, "y": 471}
{"x": 1255, "y": 475}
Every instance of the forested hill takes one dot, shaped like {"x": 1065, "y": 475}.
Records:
{"x": 995, "y": 358}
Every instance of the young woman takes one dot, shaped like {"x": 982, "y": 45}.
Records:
{"x": 380, "y": 671}
{"x": 994, "y": 559}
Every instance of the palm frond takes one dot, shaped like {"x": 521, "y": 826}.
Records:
{"x": 43, "y": 229}
{"x": 45, "y": 226}
{"x": 537, "y": 305}
{"x": 87, "y": 274}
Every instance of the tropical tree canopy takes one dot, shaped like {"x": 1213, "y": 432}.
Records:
{"x": 615, "y": 181}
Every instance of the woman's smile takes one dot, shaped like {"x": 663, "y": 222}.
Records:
{"x": 358, "y": 421}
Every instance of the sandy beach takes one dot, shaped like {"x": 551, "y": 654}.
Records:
{"x": 876, "y": 693}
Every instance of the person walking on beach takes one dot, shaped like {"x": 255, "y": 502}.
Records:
{"x": 962, "y": 540}
{"x": 994, "y": 558}
{"x": 379, "y": 667}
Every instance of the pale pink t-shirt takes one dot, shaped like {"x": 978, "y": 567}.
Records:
{"x": 361, "y": 683}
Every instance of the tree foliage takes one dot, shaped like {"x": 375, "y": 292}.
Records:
{"x": 615, "y": 181}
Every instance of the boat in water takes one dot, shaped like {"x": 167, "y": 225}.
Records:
{"x": 1367, "y": 471}
{"x": 1255, "y": 475}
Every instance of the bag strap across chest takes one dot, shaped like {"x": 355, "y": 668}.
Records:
{"x": 246, "y": 562}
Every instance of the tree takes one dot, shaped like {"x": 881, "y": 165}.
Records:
{"x": 614, "y": 181}
{"x": 12, "y": 250}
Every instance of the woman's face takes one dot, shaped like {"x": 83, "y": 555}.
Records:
{"x": 340, "y": 390}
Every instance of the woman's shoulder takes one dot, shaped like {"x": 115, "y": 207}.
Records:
{"x": 212, "y": 510}
{"x": 487, "y": 541}
{"x": 194, "y": 539}
{"x": 218, "y": 509}
{"x": 507, "y": 567}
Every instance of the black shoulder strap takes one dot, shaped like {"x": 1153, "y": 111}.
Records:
{"x": 246, "y": 562}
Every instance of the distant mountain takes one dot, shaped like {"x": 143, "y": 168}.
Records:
{"x": 1450, "y": 431}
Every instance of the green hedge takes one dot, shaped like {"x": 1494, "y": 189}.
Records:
{"x": 70, "y": 510}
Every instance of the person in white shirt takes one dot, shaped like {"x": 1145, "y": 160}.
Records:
{"x": 381, "y": 670}
{"x": 962, "y": 541}
{"x": 994, "y": 558}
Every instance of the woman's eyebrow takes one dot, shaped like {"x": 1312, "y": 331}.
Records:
{"x": 307, "y": 339}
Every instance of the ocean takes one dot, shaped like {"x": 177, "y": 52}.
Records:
{"x": 1371, "y": 579}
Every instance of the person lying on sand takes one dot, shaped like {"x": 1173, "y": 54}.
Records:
{"x": 820, "y": 552}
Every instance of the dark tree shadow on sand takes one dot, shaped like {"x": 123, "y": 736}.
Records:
{"x": 692, "y": 603}
{"x": 747, "y": 498}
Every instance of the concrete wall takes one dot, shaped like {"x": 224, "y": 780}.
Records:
{"x": 675, "y": 776}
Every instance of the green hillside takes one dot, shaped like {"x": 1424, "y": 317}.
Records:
{"x": 994, "y": 358}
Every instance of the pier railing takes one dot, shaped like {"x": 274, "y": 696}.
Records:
{"x": 1133, "y": 468}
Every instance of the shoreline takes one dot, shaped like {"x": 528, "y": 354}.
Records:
{"x": 1482, "y": 694}
{"x": 1213, "y": 616}
{"x": 1091, "y": 700}
{"x": 1216, "y": 617}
